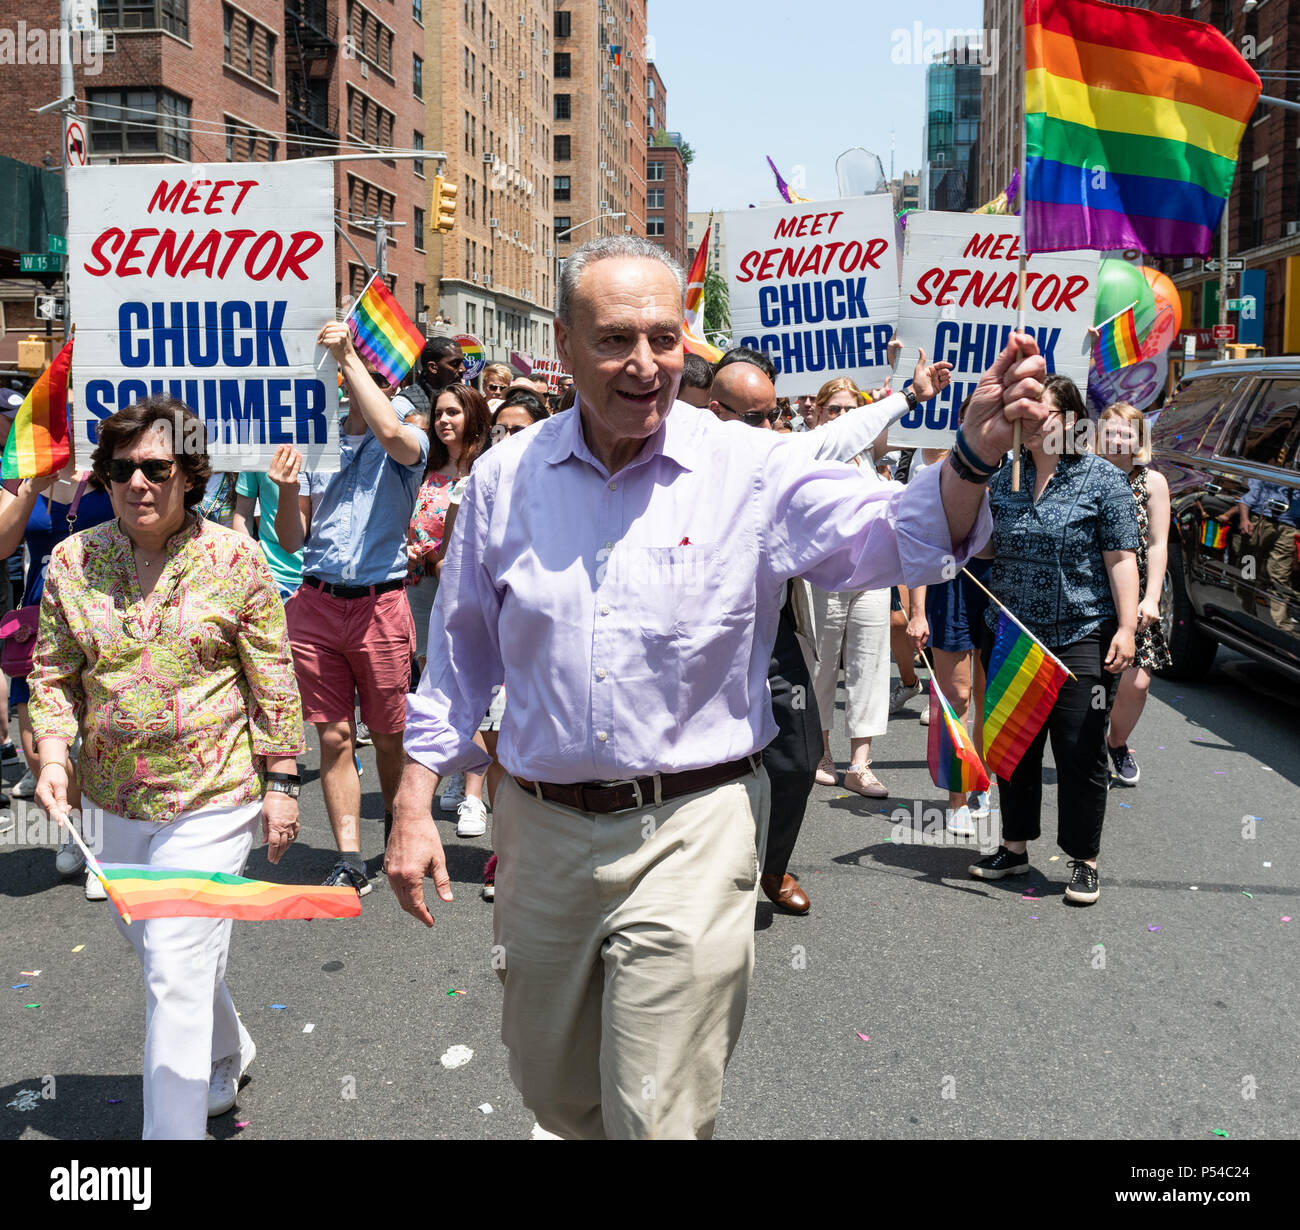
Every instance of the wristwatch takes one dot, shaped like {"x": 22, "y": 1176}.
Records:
{"x": 911, "y": 398}
{"x": 284, "y": 783}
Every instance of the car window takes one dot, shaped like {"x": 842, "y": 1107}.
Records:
{"x": 1266, "y": 433}
{"x": 1193, "y": 408}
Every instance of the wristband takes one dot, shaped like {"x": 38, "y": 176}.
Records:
{"x": 970, "y": 462}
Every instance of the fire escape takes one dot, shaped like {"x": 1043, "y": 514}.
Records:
{"x": 311, "y": 44}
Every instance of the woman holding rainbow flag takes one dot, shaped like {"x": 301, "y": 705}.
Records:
{"x": 1065, "y": 561}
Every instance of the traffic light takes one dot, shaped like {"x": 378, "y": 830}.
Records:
{"x": 444, "y": 204}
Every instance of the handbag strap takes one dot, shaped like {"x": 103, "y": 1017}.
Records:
{"x": 76, "y": 501}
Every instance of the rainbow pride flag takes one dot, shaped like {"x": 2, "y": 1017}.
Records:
{"x": 693, "y": 324}
{"x": 1117, "y": 342}
{"x": 1023, "y": 680}
{"x": 616, "y": 54}
{"x": 38, "y": 441}
{"x": 788, "y": 195}
{"x": 383, "y": 333}
{"x": 1132, "y": 125}
{"x": 168, "y": 892}
{"x": 1214, "y": 535}
{"x": 954, "y": 763}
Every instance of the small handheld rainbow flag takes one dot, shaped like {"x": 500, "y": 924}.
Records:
{"x": 1023, "y": 680}
{"x": 1117, "y": 342}
{"x": 168, "y": 892}
{"x": 954, "y": 763}
{"x": 38, "y": 441}
{"x": 383, "y": 333}
{"x": 1214, "y": 535}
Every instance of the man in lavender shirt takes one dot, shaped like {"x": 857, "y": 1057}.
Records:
{"x": 619, "y": 568}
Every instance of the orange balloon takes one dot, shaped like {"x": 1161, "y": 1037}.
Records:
{"x": 1169, "y": 312}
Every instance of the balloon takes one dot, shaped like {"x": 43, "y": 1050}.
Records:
{"x": 1120, "y": 284}
{"x": 1163, "y": 288}
{"x": 1169, "y": 313}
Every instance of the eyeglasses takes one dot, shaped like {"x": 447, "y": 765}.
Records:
{"x": 755, "y": 418}
{"x": 500, "y": 431}
{"x": 155, "y": 469}
{"x": 495, "y": 388}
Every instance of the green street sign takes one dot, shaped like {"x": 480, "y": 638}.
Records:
{"x": 56, "y": 245}
{"x": 37, "y": 262}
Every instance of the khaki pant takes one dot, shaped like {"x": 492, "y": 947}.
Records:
{"x": 626, "y": 945}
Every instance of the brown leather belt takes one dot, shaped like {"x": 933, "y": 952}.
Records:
{"x": 606, "y": 798}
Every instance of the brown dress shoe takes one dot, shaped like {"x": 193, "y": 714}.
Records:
{"x": 785, "y": 892}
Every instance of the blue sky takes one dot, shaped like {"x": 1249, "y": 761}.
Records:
{"x": 802, "y": 80}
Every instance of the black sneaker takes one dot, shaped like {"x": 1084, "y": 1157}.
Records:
{"x": 1126, "y": 768}
{"x": 8, "y": 753}
{"x": 1084, "y": 887}
{"x": 1001, "y": 863}
{"x": 345, "y": 873}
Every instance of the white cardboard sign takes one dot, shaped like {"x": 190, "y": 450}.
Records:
{"x": 815, "y": 287}
{"x": 208, "y": 283}
{"x": 958, "y": 301}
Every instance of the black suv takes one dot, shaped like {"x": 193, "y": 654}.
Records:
{"x": 1227, "y": 442}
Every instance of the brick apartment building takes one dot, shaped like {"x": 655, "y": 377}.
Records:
{"x": 490, "y": 106}
{"x": 1264, "y": 208}
{"x": 666, "y": 173}
{"x": 257, "y": 80}
{"x": 599, "y": 141}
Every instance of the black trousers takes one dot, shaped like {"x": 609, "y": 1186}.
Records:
{"x": 791, "y": 758}
{"x": 1077, "y": 728}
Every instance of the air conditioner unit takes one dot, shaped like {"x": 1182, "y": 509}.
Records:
{"x": 603, "y": 165}
{"x": 489, "y": 157}
{"x": 521, "y": 19}
{"x": 1293, "y": 228}
{"x": 485, "y": 98}
{"x": 487, "y": 277}
{"x": 492, "y": 43}
{"x": 494, "y": 223}
{"x": 545, "y": 52}
{"x": 516, "y": 235}
{"x": 365, "y": 70}
{"x": 550, "y": 252}
{"x": 473, "y": 277}
{"x": 522, "y": 74}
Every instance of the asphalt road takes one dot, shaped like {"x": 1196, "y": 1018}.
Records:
{"x": 1167, "y": 1010}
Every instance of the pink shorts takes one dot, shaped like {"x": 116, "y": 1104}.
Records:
{"x": 347, "y": 645}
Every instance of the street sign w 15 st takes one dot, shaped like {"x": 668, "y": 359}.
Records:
{"x": 39, "y": 262}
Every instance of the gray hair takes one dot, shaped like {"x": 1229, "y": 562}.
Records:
{"x": 621, "y": 246}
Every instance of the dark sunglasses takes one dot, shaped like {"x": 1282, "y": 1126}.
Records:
{"x": 755, "y": 418}
{"x": 494, "y": 388}
{"x": 500, "y": 431}
{"x": 155, "y": 469}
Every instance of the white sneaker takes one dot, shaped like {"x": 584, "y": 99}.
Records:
{"x": 453, "y": 793}
{"x": 901, "y": 694}
{"x": 471, "y": 817}
{"x": 925, "y": 716}
{"x": 960, "y": 823}
{"x": 979, "y": 803}
{"x": 94, "y": 889}
{"x": 223, "y": 1084}
{"x": 24, "y": 787}
{"x": 69, "y": 860}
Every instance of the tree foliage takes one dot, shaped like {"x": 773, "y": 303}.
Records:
{"x": 717, "y": 304}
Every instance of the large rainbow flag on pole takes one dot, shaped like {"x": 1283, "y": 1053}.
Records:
{"x": 1132, "y": 125}
{"x": 383, "y": 333}
{"x": 693, "y": 324}
{"x": 38, "y": 441}
{"x": 954, "y": 763}
{"x": 1023, "y": 680}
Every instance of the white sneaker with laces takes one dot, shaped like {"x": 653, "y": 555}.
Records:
{"x": 901, "y": 694}
{"x": 960, "y": 823}
{"x": 223, "y": 1084}
{"x": 925, "y": 716}
{"x": 69, "y": 860}
{"x": 453, "y": 793}
{"x": 94, "y": 889}
{"x": 25, "y": 786}
{"x": 979, "y": 803}
{"x": 471, "y": 817}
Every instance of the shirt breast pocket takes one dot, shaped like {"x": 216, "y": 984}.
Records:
{"x": 675, "y": 588}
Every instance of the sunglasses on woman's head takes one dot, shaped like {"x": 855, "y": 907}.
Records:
{"x": 155, "y": 469}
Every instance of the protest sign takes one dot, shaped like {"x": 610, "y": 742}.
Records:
{"x": 815, "y": 287}
{"x": 549, "y": 370}
{"x": 207, "y": 283}
{"x": 958, "y": 301}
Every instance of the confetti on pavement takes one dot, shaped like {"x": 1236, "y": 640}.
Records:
{"x": 486, "y": 1108}
{"x": 18, "y": 986}
{"x": 1149, "y": 928}
{"x": 78, "y": 948}
{"x": 1056, "y": 858}
{"x": 308, "y": 1028}
{"x": 279, "y": 1007}
{"x": 1286, "y": 917}
{"x": 1244, "y": 893}
{"x": 30, "y": 973}
{"x": 241, "y": 1123}
{"x": 1219, "y": 1132}
{"x": 1194, "y": 887}
{"x": 31, "y": 1005}
{"x": 115, "y": 1101}
{"x": 862, "y": 1036}
{"x": 457, "y": 1056}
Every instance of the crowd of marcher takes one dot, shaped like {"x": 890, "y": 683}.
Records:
{"x": 667, "y": 600}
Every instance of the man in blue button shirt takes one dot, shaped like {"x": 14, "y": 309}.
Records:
{"x": 350, "y": 624}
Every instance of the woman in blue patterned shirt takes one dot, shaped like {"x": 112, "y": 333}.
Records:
{"x": 1065, "y": 563}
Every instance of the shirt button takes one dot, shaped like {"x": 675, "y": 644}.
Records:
{"x": 601, "y": 673}
{"x": 613, "y": 486}
{"x": 604, "y": 610}
{"x": 609, "y": 546}
{"x": 602, "y": 735}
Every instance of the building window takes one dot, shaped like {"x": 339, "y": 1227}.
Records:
{"x": 563, "y": 106}
{"x": 418, "y": 164}
{"x": 561, "y": 192}
{"x": 227, "y": 21}
{"x": 1257, "y": 208}
{"x": 417, "y": 76}
{"x": 367, "y": 36}
{"x": 417, "y": 12}
{"x": 246, "y": 144}
{"x": 654, "y": 226}
{"x": 563, "y": 24}
{"x": 563, "y": 64}
{"x": 419, "y": 229}
{"x": 139, "y": 122}
{"x": 170, "y": 15}
{"x": 561, "y": 225}
{"x": 654, "y": 198}
{"x": 562, "y": 149}
{"x": 654, "y": 171}
{"x": 270, "y": 59}
{"x": 420, "y": 308}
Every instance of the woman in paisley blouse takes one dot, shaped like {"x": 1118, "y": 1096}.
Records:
{"x": 1065, "y": 564}
{"x": 163, "y": 640}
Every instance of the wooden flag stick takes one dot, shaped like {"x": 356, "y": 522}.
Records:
{"x": 1020, "y": 328}
{"x": 1003, "y": 607}
{"x": 93, "y": 863}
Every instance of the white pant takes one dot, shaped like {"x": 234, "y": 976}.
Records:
{"x": 189, "y": 1017}
{"x": 856, "y": 622}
